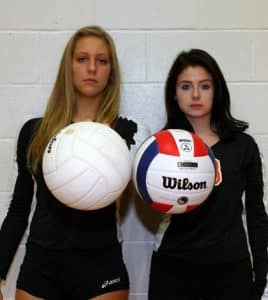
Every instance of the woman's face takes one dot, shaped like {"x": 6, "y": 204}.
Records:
{"x": 195, "y": 93}
{"x": 91, "y": 67}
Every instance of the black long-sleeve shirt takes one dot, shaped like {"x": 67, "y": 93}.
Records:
{"x": 214, "y": 232}
{"x": 54, "y": 225}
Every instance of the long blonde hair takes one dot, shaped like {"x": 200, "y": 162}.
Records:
{"x": 60, "y": 107}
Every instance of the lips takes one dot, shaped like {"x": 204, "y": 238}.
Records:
{"x": 196, "y": 105}
{"x": 90, "y": 80}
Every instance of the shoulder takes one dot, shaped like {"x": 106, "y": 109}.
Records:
{"x": 240, "y": 146}
{"x": 133, "y": 131}
{"x": 30, "y": 126}
{"x": 27, "y": 130}
{"x": 245, "y": 139}
{"x": 127, "y": 129}
{"x": 126, "y": 126}
{"x": 241, "y": 138}
{"x": 248, "y": 146}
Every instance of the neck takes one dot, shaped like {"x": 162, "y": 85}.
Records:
{"x": 200, "y": 125}
{"x": 86, "y": 109}
{"x": 204, "y": 130}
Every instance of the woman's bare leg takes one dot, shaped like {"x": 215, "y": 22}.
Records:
{"x": 22, "y": 295}
{"x": 116, "y": 295}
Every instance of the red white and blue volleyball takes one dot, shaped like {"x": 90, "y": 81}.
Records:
{"x": 174, "y": 171}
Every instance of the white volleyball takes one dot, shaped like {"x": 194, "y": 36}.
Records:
{"x": 87, "y": 165}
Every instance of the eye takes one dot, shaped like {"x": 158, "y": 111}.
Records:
{"x": 102, "y": 61}
{"x": 206, "y": 86}
{"x": 81, "y": 59}
{"x": 185, "y": 86}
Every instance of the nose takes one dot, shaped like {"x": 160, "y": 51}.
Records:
{"x": 91, "y": 65}
{"x": 196, "y": 92}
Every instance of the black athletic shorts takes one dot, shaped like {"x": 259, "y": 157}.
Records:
{"x": 77, "y": 275}
{"x": 173, "y": 279}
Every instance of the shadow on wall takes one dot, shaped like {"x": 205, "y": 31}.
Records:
{"x": 149, "y": 217}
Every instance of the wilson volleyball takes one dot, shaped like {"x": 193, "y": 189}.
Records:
{"x": 174, "y": 171}
{"x": 87, "y": 165}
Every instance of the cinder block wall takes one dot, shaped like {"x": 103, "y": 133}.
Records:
{"x": 148, "y": 35}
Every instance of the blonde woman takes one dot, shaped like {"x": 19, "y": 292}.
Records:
{"x": 70, "y": 254}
